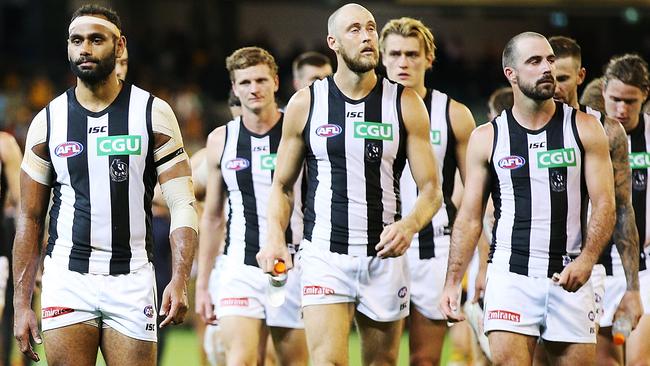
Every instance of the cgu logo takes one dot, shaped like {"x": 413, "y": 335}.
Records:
{"x": 512, "y": 162}
{"x": 373, "y": 130}
{"x": 68, "y": 149}
{"x": 328, "y": 130}
{"x": 640, "y": 160}
{"x": 237, "y": 164}
{"x": 435, "y": 137}
{"x": 556, "y": 158}
{"x": 267, "y": 162}
{"x": 118, "y": 145}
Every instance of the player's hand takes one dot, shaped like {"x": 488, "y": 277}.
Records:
{"x": 204, "y": 306}
{"x": 630, "y": 307}
{"x": 272, "y": 253}
{"x": 574, "y": 275}
{"x": 450, "y": 304}
{"x": 25, "y": 326}
{"x": 394, "y": 240}
{"x": 174, "y": 303}
{"x": 479, "y": 284}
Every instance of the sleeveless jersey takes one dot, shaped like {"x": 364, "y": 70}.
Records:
{"x": 247, "y": 167}
{"x": 444, "y": 148}
{"x": 355, "y": 154}
{"x": 104, "y": 175}
{"x": 539, "y": 194}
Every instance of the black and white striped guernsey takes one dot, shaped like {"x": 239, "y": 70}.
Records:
{"x": 444, "y": 148}
{"x": 104, "y": 175}
{"x": 355, "y": 154}
{"x": 639, "y": 156}
{"x": 539, "y": 194}
{"x": 247, "y": 167}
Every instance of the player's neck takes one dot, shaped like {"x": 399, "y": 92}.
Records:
{"x": 260, "y": 122}
{"x": 355, "y": 85}
{"x": 421, "y": 90}
{"x": 96, "y": 97}
{"x": 573, "y": 100}
{"x": 532, "y": 114}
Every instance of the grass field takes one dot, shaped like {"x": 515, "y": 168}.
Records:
{"x": 182, "y": 350}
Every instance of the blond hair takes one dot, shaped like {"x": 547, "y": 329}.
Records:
{"x": 247, "y": 57}
{"x": 409, "y": 27}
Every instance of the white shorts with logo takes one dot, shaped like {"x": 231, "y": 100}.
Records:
{"x": 538, "y": 307}
{"x": 378, "y": 287}
{"x": 597, "y": 279}
{"x": 242, "y": 291}
{"x": 615, "y": 287}
{"x": 428, "y": 279}
{"x": 126, "y": 303}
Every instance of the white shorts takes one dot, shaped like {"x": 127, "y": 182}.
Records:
{"x": 126, "y": 303}
{"x": 597, "y": 279}
{"x": 428, "y": 279}
{"x": 535, "y": 306}
{"x": 242, "y": 291}
{"x": 615, "y": 287}
{"x": 378, "y": 287}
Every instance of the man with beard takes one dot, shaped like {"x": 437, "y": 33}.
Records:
{"x": 100, "y": 146}
{"x": 536, "y": 160}
{"x": 356, "y": 130}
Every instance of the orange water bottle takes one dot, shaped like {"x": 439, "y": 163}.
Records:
{"x": 621, "y": 329}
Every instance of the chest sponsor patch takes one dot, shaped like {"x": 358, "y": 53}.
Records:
{"x": 267, "y": 162}
{"x": 328, "y": 130}
{"x": 556, "y": 158}
{"x": 54, "y": 311}
{"x": 511, "y": 162}
{"x": 373, "y": 131}
{"x": 68, "y": 149}
{"x": 504, "y": 315}
{"x": 639, "y": 160}
{"x": 238, "y": 164}
{"x": 119, "y": 145}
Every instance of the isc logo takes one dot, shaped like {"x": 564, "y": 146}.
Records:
{"x": 512, "y": 162}
{"x": 373, "y": 130}
{"x": 118, "y": 145}
{"x": 556, "y": 158}
{"x": 639, "y": 160}
{"x": 97, "y": 129}
{"x": 68, "y": 149}
{"x": 237, "y": 164}
{"x": 267, "y": 162}
{"x": 328, "y": 130}
{"x": 354, "y": 115}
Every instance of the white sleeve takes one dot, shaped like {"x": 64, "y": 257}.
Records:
{"x": 164, "y": 122}
{"x": 36, "y": 167}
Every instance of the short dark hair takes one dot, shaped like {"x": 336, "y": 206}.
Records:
{"x": 566, "y": 47}
{"x": 509, "y": 51}
{"x": 501, "y": 99}
{"x": 94, "y": 9}
{"x": 310, "y": 58}
{"x": 630, "y": 69}
{"x": 592, "y": 95}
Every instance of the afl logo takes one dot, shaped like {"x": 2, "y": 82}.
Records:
{"x": 237, "y": 164}
{"x": 402, "y": 292}
{"x": 512, "y": 162}
{"x": 68, "y": 149}
{"x": 328, "y": 130}
{"x": 148, "y": 311}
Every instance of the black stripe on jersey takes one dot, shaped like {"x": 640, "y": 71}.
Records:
{"x": 495, "y": 191}
{"x": 336, "y": 154}
{"x": 520, "y": 251}
{"x": 311, "y": 173}
{"x": 56, "y": 195}
{"x": 275, "y": 134}
{"x": 449, "y": 166}
{"x": 426, "y": 245}
{"x": 400, "y": 159}
{"x": 80, "y": 183}
{"x": 118, "y": 124}
{"x": 584, "y": 197}
{"x": 150, "y": 179}
{"x": 374, "y": 151}
{"x": 247, "y": 189}
{"x": 638, "y": 144}
{"x": 170, "y": 156}
{"x": 558, "y": 196}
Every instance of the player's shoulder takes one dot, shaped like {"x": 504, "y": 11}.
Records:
{"x": 218, "y": 135}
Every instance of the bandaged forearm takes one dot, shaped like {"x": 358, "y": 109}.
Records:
{"x": 179, "y": 195}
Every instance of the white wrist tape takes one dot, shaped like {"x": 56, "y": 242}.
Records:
{"x": 179, "y": 195}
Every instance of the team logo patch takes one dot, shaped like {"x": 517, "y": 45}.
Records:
{"x": 235, "y": 301}
{"x": 328, "y": 130}
{"x": 639, "y": 160}
{"x": 119, "y": 171}
{"x": 317, "y": 290}
{"x": 639, "y": 180}
{"x": 68, "y": 149}
{"x": 148, "y": 311}
{"x": 374, "y": 150}
{"x": 54, "y": 311}
{"x": 558, "y": 181}
{"x": 556, "y": 158}
{"x": 511, "y": 162}
{"x": 435, "y": 137}
{"x": 267, "y": 162}
{"x": 402, "y": 292}
{"x": 238, "y": 164}
{"x": 119, "y": 145}
{"x": 373, "y": 131}
{"x": 504, "y": 315}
